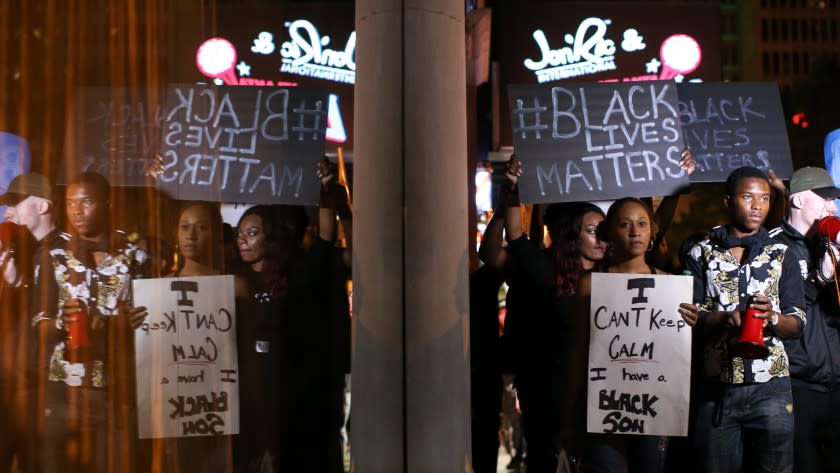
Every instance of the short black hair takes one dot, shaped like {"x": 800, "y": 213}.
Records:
{"x": 744, "y": 172}
{"x": 97, "y": 183}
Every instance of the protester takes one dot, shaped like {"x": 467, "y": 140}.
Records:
{"x": 541, "y": 287}
{"x": 198, "y": 232}
{"x": 745, "y": 411}
{"x": 291, "y": 411}
{"x": 85, "y": 317}
{"x": 485, "y": 358}
{"x": 630, "y": 231}
{"x": 29, "y": 205}
{"x": 815, "y": 356}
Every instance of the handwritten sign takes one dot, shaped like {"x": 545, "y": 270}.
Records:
{"x": 597, "y": 141}
{"x": 114, "y": 132}
{"x": 186, "y": 360}
{"x": 729, "y": 125}
{"x": 639, "y": 355}
{"x": 244, "y": 144}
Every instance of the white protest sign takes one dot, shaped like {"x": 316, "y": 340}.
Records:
{"x": 639, "y": 355}
{"x": 187, "y": 369}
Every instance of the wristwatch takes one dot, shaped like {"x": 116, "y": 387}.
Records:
{"x": 774, "y": 319}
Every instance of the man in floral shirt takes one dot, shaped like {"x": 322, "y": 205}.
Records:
{"x": 745, "y": 410}
{"x": 86, "y": 298}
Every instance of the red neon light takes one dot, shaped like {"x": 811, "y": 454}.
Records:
{"x": 680, "y": 55}
{"x": 215, "y": 57}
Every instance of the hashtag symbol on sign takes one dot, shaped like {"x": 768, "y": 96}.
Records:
{"x": 313, "y": 116}
{"x": 522, "y": 111}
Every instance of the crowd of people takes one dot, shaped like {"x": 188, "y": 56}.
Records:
{"x": 69, "y": 323}
{"x": 775, "y": 256}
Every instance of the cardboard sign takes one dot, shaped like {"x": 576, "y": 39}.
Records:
{"x": 603, "y": 141}
{"x": 244, "y": 144}
{"x": 186, "y": 359}
{"x": 639, "y": 355}
{"x": 729, "y": 125}
{"x": 114, "y": 132}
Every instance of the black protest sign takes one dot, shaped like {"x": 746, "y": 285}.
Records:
{"x": 729, "y": 125}
{"x": 244, "y": 144}
{"x": 600, "y": 141}
{"x": 114, "y": 132}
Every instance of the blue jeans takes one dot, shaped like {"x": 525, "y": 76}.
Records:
{"x": 610, "y": 453}
{"x": 750, "y": 428}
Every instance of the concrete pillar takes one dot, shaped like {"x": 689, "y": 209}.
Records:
{"x": 410, "y": 293}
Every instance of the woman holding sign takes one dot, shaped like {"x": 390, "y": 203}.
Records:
{"x": 290, "y": 414}
{"x": 630, "y": 230}
{"x": 540, "y": 315}
{"x": 199, "y": 237}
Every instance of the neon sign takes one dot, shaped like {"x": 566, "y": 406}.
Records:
{"x": 216, "y": 58}
{"x": 306, "y": 54}
{"x": 588, "y": 52}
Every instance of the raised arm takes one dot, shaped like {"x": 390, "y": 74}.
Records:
{"x": 492, "y": 251}
{"x": 510, "y": 197}
{"x": 777, "y": 209}
{"x": 331, "y": 196}
{"x": 667, "y": 208}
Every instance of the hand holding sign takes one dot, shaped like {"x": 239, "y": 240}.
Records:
{"x": 326, "y": 171}
{"x": 513, "y": 170}
{"x": 689, "y": 313}
{"x": 687, "y": 161}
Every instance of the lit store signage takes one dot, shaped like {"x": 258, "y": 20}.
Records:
{"x": 307, "y": 54}
{"x": 302, "y": 51}
{"x": 591, "y": 51}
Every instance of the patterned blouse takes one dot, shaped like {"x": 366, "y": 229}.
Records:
{"x": 723, "y": 284}
{"x": 103, "y": 287}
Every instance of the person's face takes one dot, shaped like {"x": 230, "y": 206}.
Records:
{"x": 85, "y": 210}
{"x": 749, "y": 204}
{"x": 591, "y": 249}
{"x": 631, "y": 234}
{"x": 195, "y": 235}
{"x": 250, "y": 239}
{"x": 815, "y": 208}
{"x": 24, "y": 213}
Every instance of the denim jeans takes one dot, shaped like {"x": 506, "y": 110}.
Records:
{"x": 610, "y": 453}
{"x": 749, "y": 428}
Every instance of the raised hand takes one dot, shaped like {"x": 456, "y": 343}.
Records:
{"x": 513, "y": 169}
{"x": 687, "y": 161}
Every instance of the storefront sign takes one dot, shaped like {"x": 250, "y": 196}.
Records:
{"x": 306, "y": 54}
{"x": 587, "y": 52}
